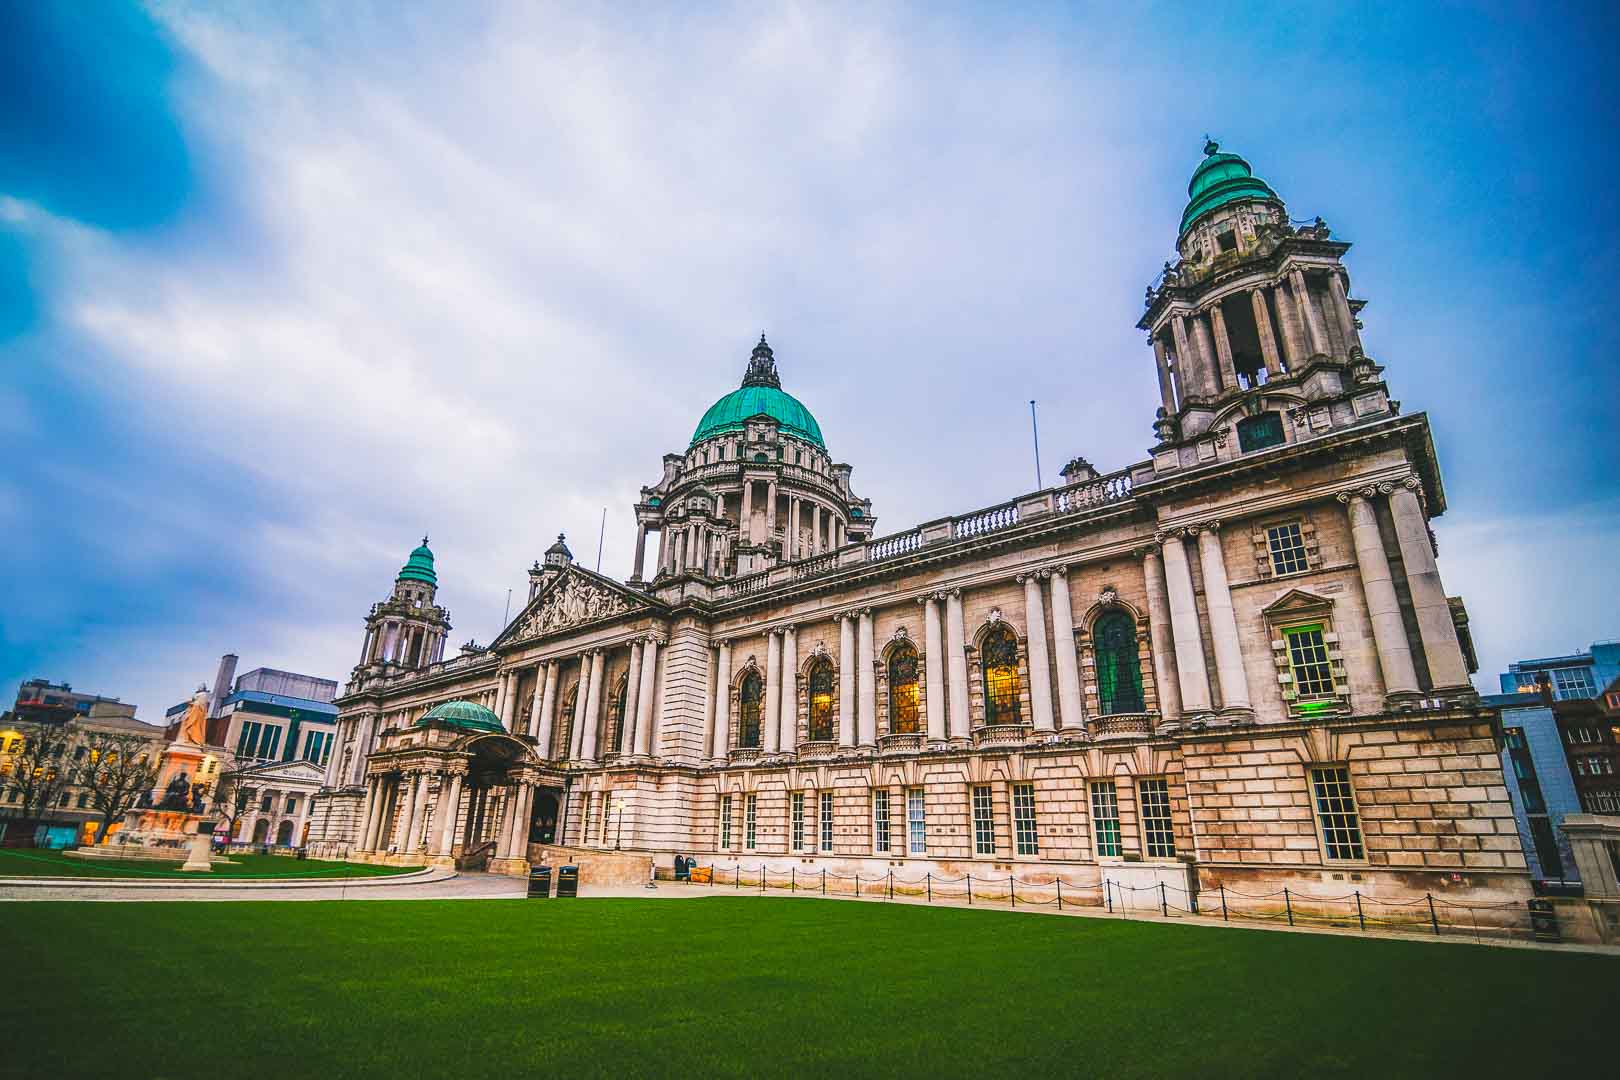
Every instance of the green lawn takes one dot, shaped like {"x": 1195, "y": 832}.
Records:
{"x": 36, "y": 862}
{"x": 742, "y": 986}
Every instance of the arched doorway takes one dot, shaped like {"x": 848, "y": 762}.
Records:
{"x": 543, "y": 823}
{"x": 261, "y": 830}
{"x": 284, "y": 834}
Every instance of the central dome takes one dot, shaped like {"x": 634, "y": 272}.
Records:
{"x": 761, "y": 392}
{"x": 464, "y": 715}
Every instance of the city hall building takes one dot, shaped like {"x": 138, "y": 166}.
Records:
{"x": 1231, "y": 663}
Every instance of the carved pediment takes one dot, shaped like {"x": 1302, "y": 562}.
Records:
{"x": 1297, "y": 602}
{"x": 574, "y": 599}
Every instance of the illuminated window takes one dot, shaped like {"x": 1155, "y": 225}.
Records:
{"x": 1308, "y": 662}
{"x": 1119, "y": 666}
{"x": 903, "y": 691}
{"x": 1000, "y": 677}
{"x": 1287, "y": 549}
{"x": 616, "y": 711}
{"x": 984, "y": 828}
{"x": 1156, "y": 827}
{"x": 821, "y": 701}
{"x": 880, "y": 820}
{"x": 1105, "y": 818}
{"x": 748, "y": 709}
{"x": 1336, "y": 813}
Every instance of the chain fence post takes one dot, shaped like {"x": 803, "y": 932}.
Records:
{"x": 736, "y": 876}
{"x": 762, "y": 872}
{"x": 970, "y": 890}
{"x": 1433, "y": 920}
{"x": 1164, "y": 905}
{"x": 793, "y": 879}
{"x": 1224, "y": 917}
{"x": 1060, "y": 893}
{"x": 857, "y": 883}
{"x": 823, "y": 881}
{"x": 1360, "y": 917}
{"x": 930, "y": 878}
{"x": 891, "y": 883}
{"x": 1108, "y": 896}
{"x": 1288, "y": 905}
{"x": 1011, "y": 893}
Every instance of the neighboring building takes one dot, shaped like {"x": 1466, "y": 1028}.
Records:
{"x": 1230, "y": 663}
{"x": 74, "y": 819}
{"x": 1591, "y": 737}
{"x": 1580, "y": 675}
{"x": 279, "y": 802}
{"x": 1539, "y": 782}
{"x": 270, "y": 715}
{"x": 42, "y": 700}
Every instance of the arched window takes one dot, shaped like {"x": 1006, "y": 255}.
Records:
{"x": 1119, "y": 668}
{"x": 748, "y": 710}
{"x": 616, "y": 711}
{"x": 903, "y": 696}
{"x": 821, "y": 702}
{"x": 1000, "y": 658}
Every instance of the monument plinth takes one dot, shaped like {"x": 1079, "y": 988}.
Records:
{"x": 178, "y": 826}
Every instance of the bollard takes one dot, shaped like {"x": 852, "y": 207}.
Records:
{"x": 1434, "y": 922}
{"x": 1223, "y": 903}
{"x": 857, "y": 883}
{"x": 1288, "y": 905}
{"x": 1360, "y": 918}
{"x": 1108, "y": 896}
{"x": 793, "y": 879}
{"x": 1164, "y": 906}
{"x": 891, "y": 884}
{"x": 1010, "y": 893}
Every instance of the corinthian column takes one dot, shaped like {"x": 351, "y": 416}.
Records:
{"x": 1223, "y": 347}
{"x": 959, "y": 721}
{"x": 581, "y": 693}
{"x": 1378, "y": 584}
{"x": 1439, "y": 633}
{"x": 1071, "y": 702}
{"x": 1164, "y": 678}
{"x": 632, "y": 700}
{"x": 1268, "y": 340}
{"x": 644, "y": 696}
{"x": 419, "y": 790}
{"x": 773, "y": 692}
{"x": 1194, "y": 676}
{"x": 790, "y": 690}
{"x": 1307, "y": 307}
{"x": 1341, "y": 308}
{"x": 532, "y": 724}
{"x": 866, "y": 674}
{"x": 1222, "y": 622}
{"x": 1040, "y": 667}
{"x": 722, "y": 702}
{"x": 934, "y": 668}
{"x": 846, "y": 678}
{"x": 449, "y": 807}
{"x": 593, "y": 709}
{"x": 548, "y": 708}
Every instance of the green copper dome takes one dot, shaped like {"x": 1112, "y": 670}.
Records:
{"x": 419, "y": 567}
{"x": 464, "y": 715}
{"x": 1218, "y": 180}
{"x": 761, "y": 392}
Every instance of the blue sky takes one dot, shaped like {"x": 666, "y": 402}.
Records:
{"x": 284, "y": 286}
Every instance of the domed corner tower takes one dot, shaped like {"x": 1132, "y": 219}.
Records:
{"x": 1253, "y": 331}
{"x": 754, "y": 489}
{"x": 407, "y": 630}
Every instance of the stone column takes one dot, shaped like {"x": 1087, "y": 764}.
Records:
{"x": 816, "y": 546}
{"x": 1194, "y": 677}
{"x": 663, "y": 548}
{"x": 846, "y": 678}
{"x": 1316, "y": 332}
{"x": 746, "y": 532}
{"x": 1341, "y": 307}
{"x": 1167, "y": 393}
{"x": 722, "y": 703}
{"x": 1378, "y": 584}
{"x": 934, "y": 668}
{"x": 593, "y": 710}
{"x": 502, "y": 685}
{"x": 1268, "y": 340}
{"x": 632, "y": 700}
{"x": 365, "y": 648}
{"x": 1071, "y": 701}
{"x": 866, "y": 680}
{"x": 770, "y": 509}
{"x": 792, "y": 545}
{"x": 1164, "y": 678}
{"x": 576, "y": 738}
{"x": 410, "y": 818}
{"x": 641, "y": 549}
{"x": 789, "y": 702}
{"x": 644, "y": 697}
{"x": 365, "y": 836}
{"x": 1222, "y": 621}
{"x": 1223, "y": 347}
{"x": 1439, "y": 633}
{"x": 1186, "y": 361}
{"x": 960, "y": 721}
{"x": 548, "y": 708}
{"x": 1040, "y": 665}
{"x": 772, "y": 735}
{"x": 1295, "y": 352}
{"x": 532, "y": 724}
{"x": 1209, "y": 363}
{"x": 449, "y": 811}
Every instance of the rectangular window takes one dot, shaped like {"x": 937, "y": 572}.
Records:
{"x": 1156, "y": 828}
{"x": 1308, "y": 660}
{"x": 725, "y": 823}
{"x": 1287, "y": 549}
{"x": 1336, "y": 811}
{"x": 269, "y": 742}
{"x": 247, "y": 739}
{"x": 916, "y": 823}
{"x": 880, "y": 820}
{"x": 264, "y": 804}
{"x": 750, "y": 807}
{"x": 826, "y": 821}
{"x": 1105, "y": 818}
{"x": 292, "y": 804}
{"x": 1572, "y": 683}
{"x": 798, "y": 821}
{"x": 1024, "y": 838}
{"x": 984, "y": 829}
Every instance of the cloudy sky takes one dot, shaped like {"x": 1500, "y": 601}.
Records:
{"x": 285, "y": 286}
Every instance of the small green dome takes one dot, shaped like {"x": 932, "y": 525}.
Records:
{"x": 761, "y": 392}
{"x": 464, "y": 715}
{"x": 1218, "y": 180}
{"x": 419, "y": 567}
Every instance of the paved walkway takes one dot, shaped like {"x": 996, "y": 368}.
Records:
{"x": 431, "y": 885}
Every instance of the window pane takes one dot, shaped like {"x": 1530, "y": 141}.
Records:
{"x": 1119, "y": 666}
{"x": 1157, "y": 831}
{"x": 1287, "y": 549}
{"x": 984, "y": 832}
{"x": 1307, "y": 656}
{"x": 826, "y": 821}
{"x": 903, "y": 692}
{"x": 821, "y": 702}
{"x": 916, "y": 824}
{"x": 1336, "y": 810}
{"x": 750, "y": 803}
{"x": 1024, "y": 819}
{"x": 1105, "y": 818}
{"x": 1001, "y": 677}
{"x": 798, "y": 821}
{"x": 880, "y": 820}
{"x": 749, "y": 700}
{"x": 725, "y": 822}
{"x": 1259, "y": 432}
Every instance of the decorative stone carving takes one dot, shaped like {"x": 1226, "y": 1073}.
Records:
{"x": 574, "y": 601}
{"x": 1108, "y": 597}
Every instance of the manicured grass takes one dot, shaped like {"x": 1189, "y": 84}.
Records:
{"x": 36, "y": 862}
{"x": 740, "y": 986}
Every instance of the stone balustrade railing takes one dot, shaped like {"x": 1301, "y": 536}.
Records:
{"x": 1000, "y": 735}
{"x": 910, "y": 742}
{"x": 1122, "y": 726}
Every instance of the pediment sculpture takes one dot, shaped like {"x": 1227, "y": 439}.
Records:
{"x": 573, "y": 602}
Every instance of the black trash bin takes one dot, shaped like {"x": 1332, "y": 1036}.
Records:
{"x": 1544, "y": 921}
{"x": 539, "y": 883}
{"x": 567, "y": 881}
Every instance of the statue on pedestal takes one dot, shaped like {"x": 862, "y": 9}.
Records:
{"x": 177, "y": 796}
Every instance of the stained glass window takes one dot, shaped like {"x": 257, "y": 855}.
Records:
{"x": 821, "y": 702}
{"x": 1000, "y": 661}
{"x": 1119, "y": 667}
{"x": 748, "y": 709}
{"x": 903, "y": 693}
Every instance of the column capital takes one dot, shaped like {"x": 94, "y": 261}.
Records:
{"x": 1032, "y": 575}
{"x": 1150, "y": 548}
{"x": 1057, "y": 570}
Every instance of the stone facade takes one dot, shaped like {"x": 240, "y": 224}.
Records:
{"x": 1231, "y": 663}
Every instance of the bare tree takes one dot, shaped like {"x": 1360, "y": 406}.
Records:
{"x": 37, "y": 770}
{"x": 232, "y": 800}
{"x": 115, "y": 772}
